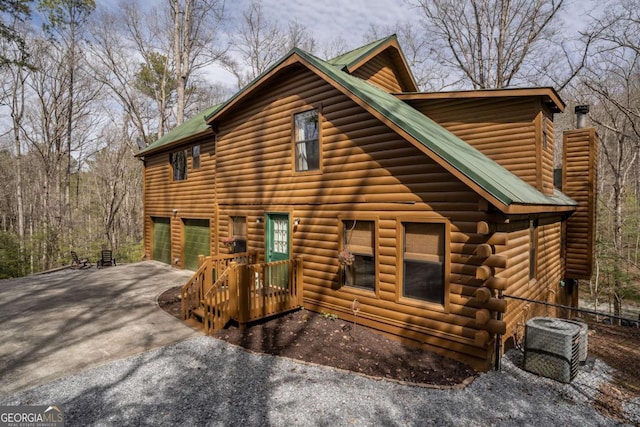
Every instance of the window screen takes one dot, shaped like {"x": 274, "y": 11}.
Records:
{"x": 423, "y": 262}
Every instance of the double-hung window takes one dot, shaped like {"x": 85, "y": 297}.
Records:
{"x": 178, "y": 161}
{"x": 306, "y": 138}
{"x": 239, "y": 229}
{"x": 424, "y": 262}
{"x": 359, "y": 240}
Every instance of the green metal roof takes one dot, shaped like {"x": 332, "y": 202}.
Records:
{"x": 346, "y": 60}
{"x": 193, "y": 126}
{"x": 486, "y": 173}
{"x": 503, "y": 185}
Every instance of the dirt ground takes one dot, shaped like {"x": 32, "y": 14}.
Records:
{"x": 326, "y": 340}
{"x": 618, "y": 347}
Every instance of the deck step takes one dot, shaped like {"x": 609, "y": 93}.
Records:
{"x": 198, "y": 312}
{"x": 195, "y": 324}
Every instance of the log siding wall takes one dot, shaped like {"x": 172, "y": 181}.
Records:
{"x": 194, "y": 198}
{"x": 546, "y": 151}
{"x": 368, "y": 172}
{"x": 507, "y": 130}
{"x": 545, "y": 286}
{"x": 579, "y": 177}
{"x": 380, "y": 71}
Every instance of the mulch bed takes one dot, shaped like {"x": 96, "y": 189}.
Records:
{"x": 325, "y": 340}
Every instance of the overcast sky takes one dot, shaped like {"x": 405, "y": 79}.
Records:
{"x": 328, "y": 20}
{"x": 350, "y": 19}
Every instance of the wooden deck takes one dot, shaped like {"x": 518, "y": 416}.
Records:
{"x": 234, "y": 287}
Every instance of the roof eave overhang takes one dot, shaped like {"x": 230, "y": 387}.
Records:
{"x": 522, "y": 209}
{"x": 173, "y": 144}
{"x": 549, "y": 95}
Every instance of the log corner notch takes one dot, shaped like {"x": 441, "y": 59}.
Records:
{"x": 483, "y": 228}
{"x": 485, "y": 319}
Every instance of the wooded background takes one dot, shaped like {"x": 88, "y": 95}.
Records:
{"x": 83, "y": 86}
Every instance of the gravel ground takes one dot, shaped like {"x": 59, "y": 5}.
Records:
{"x": 203, "y": 381}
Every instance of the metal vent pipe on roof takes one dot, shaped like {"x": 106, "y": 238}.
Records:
{"x": 582, "y": 112}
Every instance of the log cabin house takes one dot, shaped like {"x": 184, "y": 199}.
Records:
{"x": 418, "y": 210}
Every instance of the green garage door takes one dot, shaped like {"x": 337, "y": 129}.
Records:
{"x": 162, "y": 240}
{"x": 196, "y": 241}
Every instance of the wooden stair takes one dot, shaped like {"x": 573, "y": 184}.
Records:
{"x": 197, "y": 318}
{"x": 223, "y": 290}
{"x": 195, "y": 324}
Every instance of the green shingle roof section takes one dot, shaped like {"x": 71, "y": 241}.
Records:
{"x": 354, "y": 56}
{"x": 486, "y": 173}
{"x": 192, "y": 126}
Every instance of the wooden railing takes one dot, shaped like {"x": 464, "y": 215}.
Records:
{"x": 243, "y": 292}
{"x": 198, "y": 286}
{"x": 268, "y": 289}
{"x": 217, "y": 302}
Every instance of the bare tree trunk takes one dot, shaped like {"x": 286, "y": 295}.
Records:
{"x": 617, "y": 243}
{"x": 181, "y": 52}
{"x": 499, "y": 43}
{"x": 17, "y": 112}
{"x": 67, "y": 175}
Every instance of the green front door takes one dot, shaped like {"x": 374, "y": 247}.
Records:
{"x": 197, "y": 241}
{"x": 161, "y": 240}
{"x": 277, "y": 243}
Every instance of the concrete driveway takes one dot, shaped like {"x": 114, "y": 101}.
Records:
{"x": 58, "y": 324}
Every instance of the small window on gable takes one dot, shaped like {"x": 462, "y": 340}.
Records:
{"x": 533, "y": 250}
{"x": 359, "y": 240}
{"x": 239, "y": 234}
{"x": 179, "y": 165}
{"x": 544, "y": 132}
{"x": 306, "y": 138}
{"x": 424, "y": 262}
{"x": 195, "y": 156}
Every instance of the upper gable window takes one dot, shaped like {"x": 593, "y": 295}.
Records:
{"x": 179, "y": 165}
{"x": 306, "y": 141}
{"x": 533, "y": 250}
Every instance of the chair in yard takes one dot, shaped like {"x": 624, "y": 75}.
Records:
{"x": 79, "y": 263}
{"x": 106, "y": 259}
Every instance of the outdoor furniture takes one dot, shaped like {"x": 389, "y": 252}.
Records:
{"x": 79, "y": 263}
{"x": 106, "y": 259}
